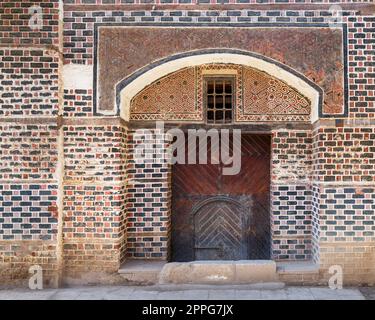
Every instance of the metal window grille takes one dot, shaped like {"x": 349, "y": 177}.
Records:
{"x": 219, "y": 100}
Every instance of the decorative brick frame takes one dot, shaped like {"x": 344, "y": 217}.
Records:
{"x": 123, "y": 83}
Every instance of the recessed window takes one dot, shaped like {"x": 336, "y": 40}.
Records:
{"x": 219, "y": 100}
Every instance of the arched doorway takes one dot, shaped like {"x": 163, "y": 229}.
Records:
{"x": 180, "y": 99}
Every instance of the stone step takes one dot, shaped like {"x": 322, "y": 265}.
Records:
{"x": 251, "y": 286}
{"x": 142, "y": 272}
{"x": 219, "y": 272}
{"x": 243, "y": 272}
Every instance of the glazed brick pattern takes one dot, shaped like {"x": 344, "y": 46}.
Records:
{"x": 291, "y": 195}
{"x": 291, "y": 156}
{"x": 315, "y": 230}
{"x": 79, "y": 25}
{"x": 28, "y": 151}
{"x": 347, "y": 214}
{"x": 344, "y": 154}
{"x": 343, "y": 231}
{"x": 28, "y": 82}
{"x": 148, "y": 220}
{"x": 291, "y": 222}
{"x": 93, "y": 154}
{"x": 29, "y": 88}
{"x": 78, "y": 103}
{"x": 28, "y": 211}
{"x": 147, "y": 246}
{"x": 292, "y": 249}
{"x": 93, "y": 211}
{"x": 148, "y": 146}
{"x": 361, "y": 56}
{"x": 14, "y": 23}
{"x": 148, "y": 197}
{"x": 16, "y": 257}
{"x": 291, "y": 210}
{"x": 94, "y": 229}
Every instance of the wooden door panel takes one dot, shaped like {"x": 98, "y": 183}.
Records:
{"x": 219, "y": 230}
{"x": 254, "y": 175}
{"x": 234, "y": 223}
{"x": 195, "y": 179}
{"x": 182, "y": 244}
{"x": 260, "y": 239}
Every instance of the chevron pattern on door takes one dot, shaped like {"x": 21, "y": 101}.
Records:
{"x": 233, "y": 220}
{"x": 219, "y": 231}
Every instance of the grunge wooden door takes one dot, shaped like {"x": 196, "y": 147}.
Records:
{"x": 223, "y": 217}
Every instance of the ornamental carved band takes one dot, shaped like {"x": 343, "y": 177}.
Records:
{"x": 258, "y": 96}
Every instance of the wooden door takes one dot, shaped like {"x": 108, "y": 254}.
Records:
{"x": 223, "y": 217}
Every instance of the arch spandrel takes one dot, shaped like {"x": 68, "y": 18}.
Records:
{"x": 258, "y": 96}
{"x": 298, "y": 85}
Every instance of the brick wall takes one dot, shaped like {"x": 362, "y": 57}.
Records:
{"x": 148, "y": 196}
{"x": 343, "y": 201}
{"x": 345, "y": 154}
{"x": 94, "y": 198}
{"x": 361, "y": 51}
{"x": 29, "y": 105}
{"x": 322, "y": 180}
{"x": 28, "y": 151}
{"x": 16, "y": 257}
{"x": 291, "y": 222}
{"x": 93, "y": 154}
{"x": 14, "y": 21}
{"x": 291, "y": 195}
{"x": 315, "y": 230}
{"x": 79, "y": 25}
{"x": 29, "y": 82}
{"x": 303, "y": 161}
{"x": 28, "y": 211}
{"x": 347, "y": 214}
{"x": 78, "y": 103}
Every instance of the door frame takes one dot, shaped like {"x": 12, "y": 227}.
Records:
{"x": 246, "y": 131}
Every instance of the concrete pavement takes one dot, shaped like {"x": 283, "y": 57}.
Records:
{"x": 185, "y": 292}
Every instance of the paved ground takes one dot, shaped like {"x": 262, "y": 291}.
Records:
{"x": 368, "y": 292}
{"x": 187, "y": 293}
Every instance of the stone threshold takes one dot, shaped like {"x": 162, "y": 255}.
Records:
{"x": 142, "y": 271}
{"x": 199, "y": 272}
